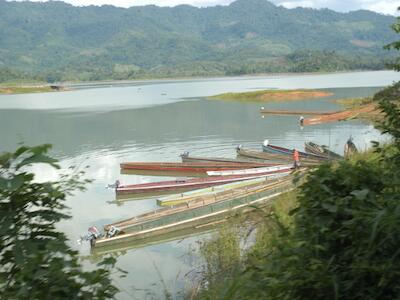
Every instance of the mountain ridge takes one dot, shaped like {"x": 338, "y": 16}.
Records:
{"x": 66, "y": 41}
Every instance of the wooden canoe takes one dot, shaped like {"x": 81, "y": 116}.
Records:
{"x": 217, "y": 160}
{"x": 187, "y": 184}
{"x": 289, "y": 152}
{"x": 214, "y": 190}
{"x": 188, "y": 167}
{"x": 190, "y": 215}
{"x": 320, "y": 150}
{"x": 278, "y": 157}
{"x": 339, "y": 116}
{"x": 252, "y": 171}
{"x": 298, "y": 112}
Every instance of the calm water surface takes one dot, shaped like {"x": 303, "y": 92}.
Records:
{"x": 157, "y": 122}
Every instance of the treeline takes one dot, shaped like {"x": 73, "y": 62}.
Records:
{"x": 11, "y": 75}
{"x": 57, "y": 41}
{"x": 300, "y": 61}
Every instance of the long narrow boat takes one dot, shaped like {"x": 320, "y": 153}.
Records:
{"x": 120, "y": 248}
{"x": 285, "y": 151}
{"x": 196, "y": 159}
{"x": 163, "y": 173}
{"x": 278, "y": 157}
{"x": 188, "y": 184}
{"x": 252, "y": 171}
{"x": 189, "y": 215}
{"x": 320, "y": 150}
{"x": 339, "y": 116}
{"x": 296, "y": 112}
{"x": 215, "y": 191}
{"x": 189, "y": 167}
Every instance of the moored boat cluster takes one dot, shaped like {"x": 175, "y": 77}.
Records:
{"x": 219, "y": 188}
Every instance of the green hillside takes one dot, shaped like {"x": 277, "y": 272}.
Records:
{"x": 57, "y": 41}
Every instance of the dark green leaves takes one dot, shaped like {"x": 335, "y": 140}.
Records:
{"x": 35, "y": 260}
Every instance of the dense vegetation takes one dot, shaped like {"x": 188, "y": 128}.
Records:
{"x": 342, "y": 239}
{"x": 55, "y": 41}
{"x": 35, "y": 259}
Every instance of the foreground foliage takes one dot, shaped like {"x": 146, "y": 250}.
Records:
{"x": 35, "y": 259}
{"x": 344, "y": 239}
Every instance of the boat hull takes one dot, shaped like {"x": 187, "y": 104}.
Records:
{"x": 216, "y": 191}
{"x": 313, "y": 148}
{"x": 284, "y": 151}
{"x": 287, "y": 168}
{"x": 184, "y": 184}
{"x": 188, "y": 167}
{"x": 182, "y": 217}
{"x": 186, "y": 158}
{"x": 281, "y": 157}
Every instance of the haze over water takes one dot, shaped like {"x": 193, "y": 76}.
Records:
{"x": 158, "y": 121}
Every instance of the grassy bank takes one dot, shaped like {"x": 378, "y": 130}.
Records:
{"x": 8, "y": 90}
{"x": 350, "y": 103}
{"x": 227, "y": 252}
{"x": 272, "y": 95}
{"x": 355, "y": 104}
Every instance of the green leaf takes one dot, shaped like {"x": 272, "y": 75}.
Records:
{"x": 39, "y": 158}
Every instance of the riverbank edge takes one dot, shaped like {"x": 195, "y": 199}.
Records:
{"x": 16, "y": 90}
{"x": 72, "y": 85}
{"x": 272, "y": 95}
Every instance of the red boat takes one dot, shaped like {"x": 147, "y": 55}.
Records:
{"x": 190, "y": 167}
{"x": 191, "y": 184}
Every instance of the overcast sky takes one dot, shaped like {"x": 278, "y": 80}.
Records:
{"x": 382, "y": 6}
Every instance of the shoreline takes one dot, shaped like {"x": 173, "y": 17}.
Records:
{"x": 264, "y": 96}
{"x": 25, "y": 89}
{"x": 204, "y": 78}
{"x": 70, "y": 85}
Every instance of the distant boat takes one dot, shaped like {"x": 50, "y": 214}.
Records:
{"x": 339, "y": 116}
{"x": 298, "y": 112}
{"x": 320, "y": 150}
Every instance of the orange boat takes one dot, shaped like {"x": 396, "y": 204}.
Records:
{"x": 339, "y": 116}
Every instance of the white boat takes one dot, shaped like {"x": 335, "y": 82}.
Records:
{"x": 274, "y": 171}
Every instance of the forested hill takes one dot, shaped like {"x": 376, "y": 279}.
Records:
{"x": 59, "y": 41}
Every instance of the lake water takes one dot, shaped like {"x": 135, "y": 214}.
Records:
{"x": 157, "y": 121}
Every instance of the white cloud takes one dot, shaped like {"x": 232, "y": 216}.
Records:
{"x": 381, "y": 6}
